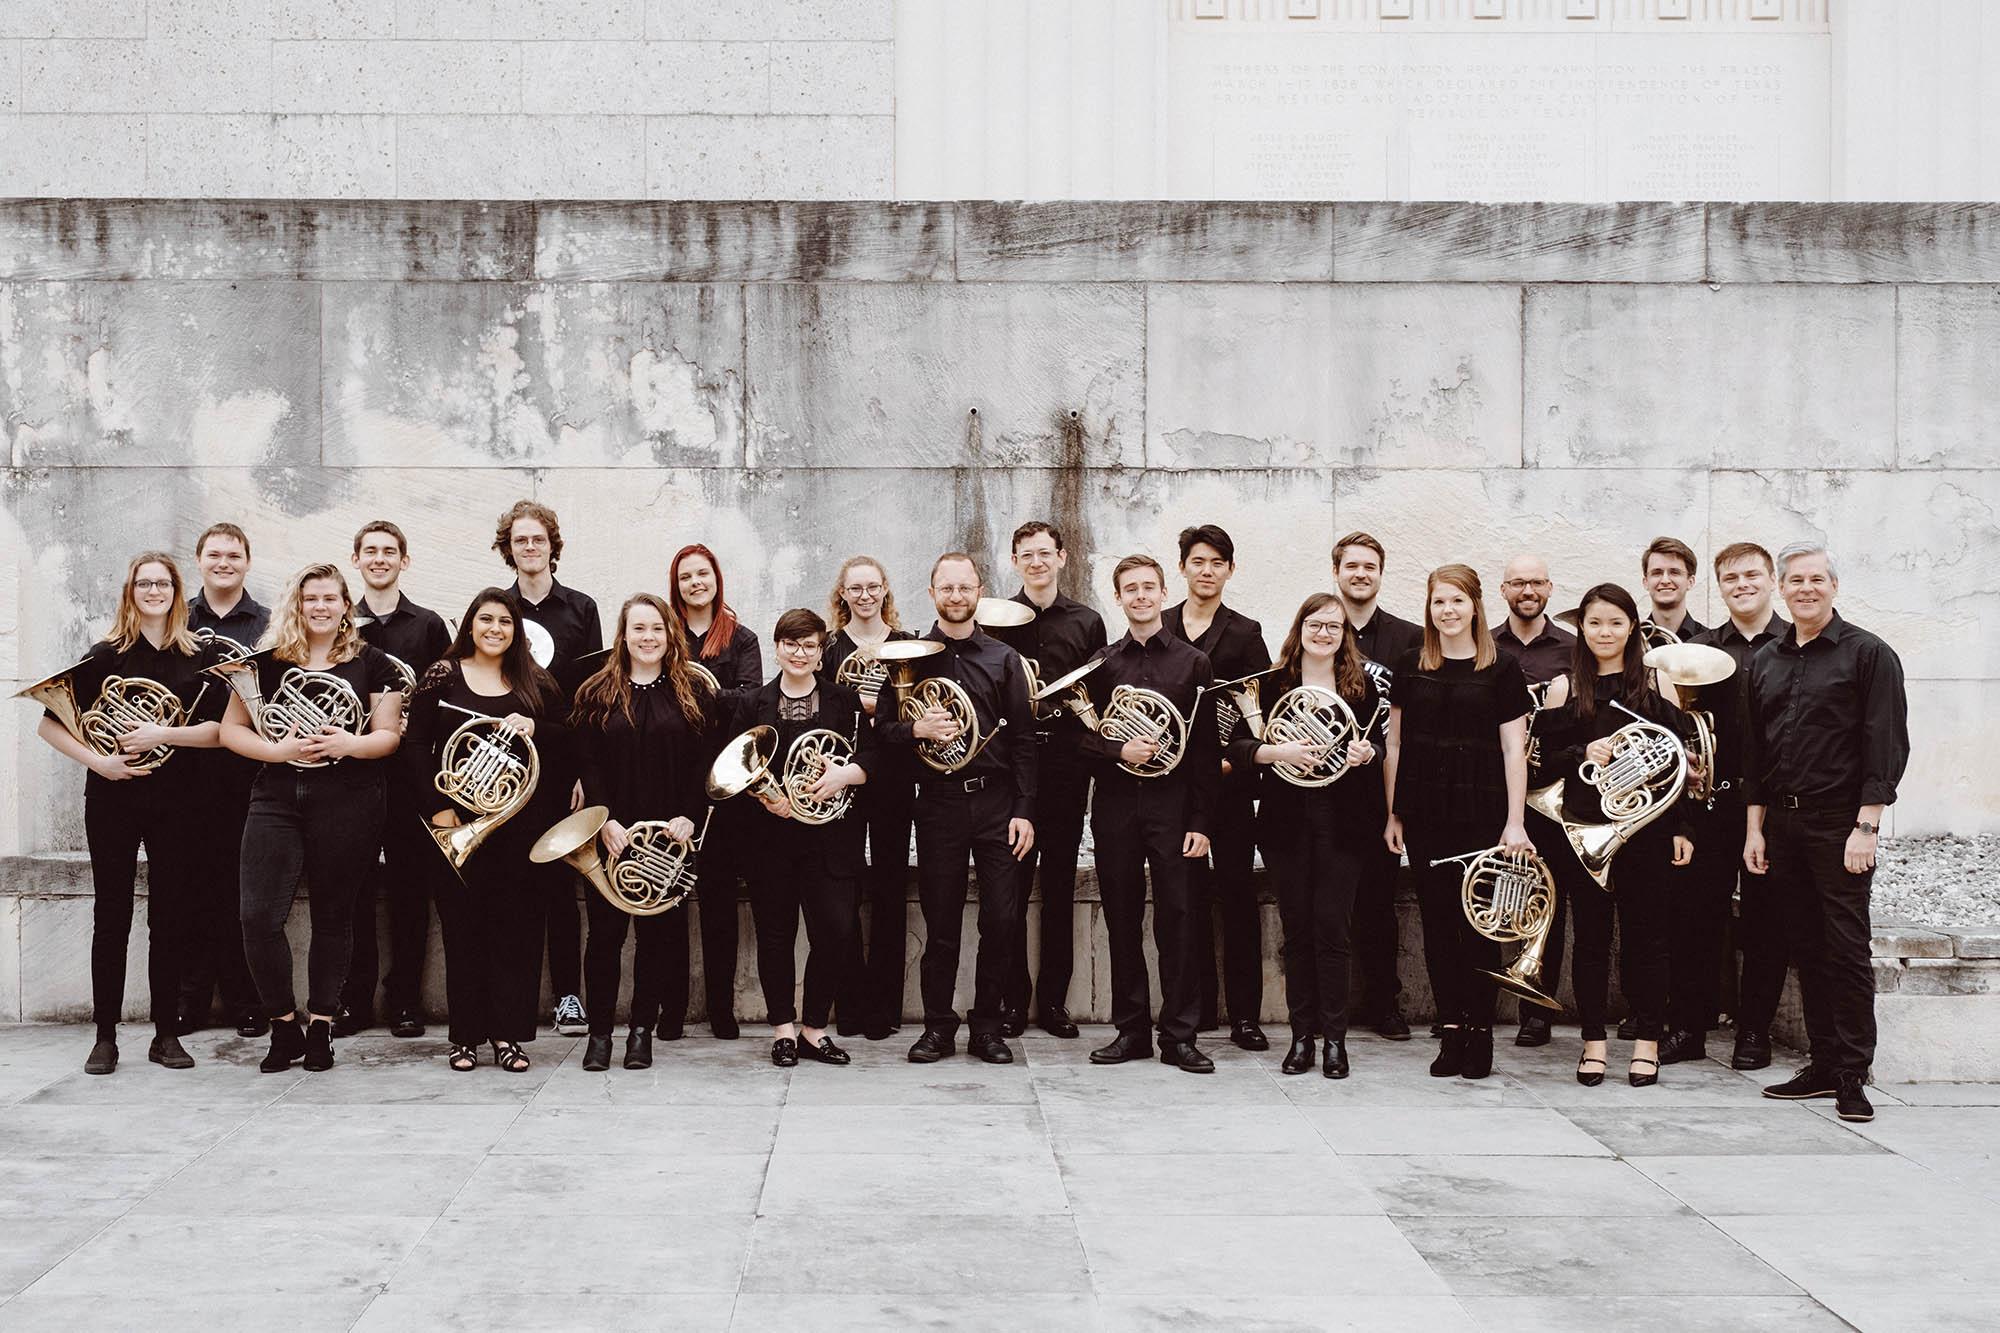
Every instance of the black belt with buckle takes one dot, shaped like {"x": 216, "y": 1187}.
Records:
{"x": 964, "y": 786}
{"x": 1810, "y": 804}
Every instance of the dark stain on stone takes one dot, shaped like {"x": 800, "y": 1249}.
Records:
{"x": 975, "y": 528}
{"x": 305, "y": 251}
{"x": 515, "y": 235}
{"x": 1066, "y": 505}
{"x": 821, "y": 239}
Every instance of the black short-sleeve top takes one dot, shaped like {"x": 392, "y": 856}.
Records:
{"x": 1450, "y": 768}
{"x": 369, "y": 674}
{"x": 177, "y": 671}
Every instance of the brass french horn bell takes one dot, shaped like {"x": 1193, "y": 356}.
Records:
{"x": 745, "y": 765}
{"x": 1685, "y": 668}
{"x": 1069, "y": 692}
{"x": 1001, "y": 613}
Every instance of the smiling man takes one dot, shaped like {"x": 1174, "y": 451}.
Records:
{"x": 1667, "y": 568}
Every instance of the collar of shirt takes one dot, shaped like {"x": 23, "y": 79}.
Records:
{"x": 247, "y": 607}
{"x": 1727, "y": 632}
{"x": 1789, "y": 640}
{"x": 401, "y": 608}
{"x": 557, "y": 593}
{"x": 1061, "y": 603}
{"x": 1505, "y": 630}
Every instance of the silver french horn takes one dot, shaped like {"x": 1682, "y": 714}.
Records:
{"x": 1136, "y": 713}
{"x": 1319, "y": 717}
{"x": 489, "y": 768}
{"x": 807, "y": 759}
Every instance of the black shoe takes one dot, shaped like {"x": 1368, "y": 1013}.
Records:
{"x": 1184, "y": 1056}
{"x": 1437, "y": 1031}
{"x": 1451, "y": 1054}
{"x": 1013, "y": 1022}
{"x": 724, "y": 1027}
{"x": 347, "y": 1022}
{"x": 827, "y": 1053}
{"x": 1300, "y": 1058}
{"x": 1335, "y": 1064}
{"x": 103, "y": 1057}
{"x": 1249, "y": 1036}
{"x": 597, "y": 1053}
{"x": 1125, "y": 1046}
{"x": 1588, "y": 1076}
{"x": 638, "y": 1049}
{"x": 318, "y": 1055}
{"x": 169, "y": 1053}
{"x": 408, "y": 1023}
{"x": 784, "y": 1052}
{"x": 1808, "y": 1082}
{"x": 989, "y": 1047}
{"x": 673, "y": 1031}
{"x": 932, "y": 1047}
{"x": 1534, "y": 1030}
{"x": 1391, "y": 1025}
{"x": 881, "y": 1031}
{"x": 1646, "y": 1079}
{"x": 1476, "y": 1060}
{"x": 1683, "y": 1044}
{"x": 1056, "y": 1022}
{"x": 1628, "y": 1028}
{"x": 250, "y": 1023}
{"x": 1753, "y": 1049}
{"x": 1850, "y": 1102}
{"x": 288, "y": 1043}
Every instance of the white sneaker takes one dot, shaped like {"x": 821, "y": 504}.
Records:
{"x": 570, "y": 1020}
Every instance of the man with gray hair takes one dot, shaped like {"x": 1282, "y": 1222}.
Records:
{"x": 1826, "y": 743}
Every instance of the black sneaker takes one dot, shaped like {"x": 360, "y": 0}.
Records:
{"x": 1534, "y": 1029}
{"x": 168, "y": 1052}
{"x": 1850, "y": 1102}
{"x": 1753, "y": 1049}
{"x": 1391, "y": 1025}
{"x": 1808, "y": 1082}
{"x": 570, "y": 1020}
{"x": 409, "y": 1023}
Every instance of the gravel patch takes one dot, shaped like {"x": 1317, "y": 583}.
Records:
{"x": 1941, "y": 881}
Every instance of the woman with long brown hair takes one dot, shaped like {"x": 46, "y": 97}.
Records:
{"x": 127, "y": 805}
{"x": 641, "y": 730}
{"x": 1456, "y": 774}
{"x": 316, "y": 806}
{"x": 1314, "y": 837}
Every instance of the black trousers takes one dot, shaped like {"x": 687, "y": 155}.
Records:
{"x": 562, "y": 918}
{"x": 722, "y": 865}
{"x": 1378, "y": 936}
{"x": 116, "y": 823}
{"x": 1139, "y": 825}
{"x": 1222, "y": 887}
{"x": 1317, "y": 866}
{"x": 1700, "y": 939}
{"x": 215, "y": 962}
{"x": 1826, "y": 921}
{"x": 492, "y": 921}
{"x": 788, "y": 880}
{"x": 322, "y": 826}
{"x": 406, "y": 880}
{"x": 1645, "y": 894}
{"x": 603, "y": 960}
{"x": 1062, "y": 796}
{"x": 953, "y": 824}
{"x": 871, "y": 983}
{"x": 1456, "y": 956}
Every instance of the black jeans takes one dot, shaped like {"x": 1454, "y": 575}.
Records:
{"x": 406, "y": 880}
{"x": 215, "y": 961}
{"x": 787, "y": 879}
{"x": 1061, "y": 797}
{"x": 1317, "y": 866}
{"x": 871, "y": 984}
{"x": 603, "y": 961}
{"x": 723, "y": 863}
{"x": 492, "y": 922}
{"x": 117, "y": 820}
{"x": 1140, "y": 824}
{"x": 1826, "y": 920}
{"x": 1645, "y": 891}
{"x": 953, "y": 824}
{"x": 1456, "y": 956}
{"x": 1378, "y": 935}
{"x": 323, "y": 826}
{"x": 1225, "y": 889}
{"x": 1701, "y": 931}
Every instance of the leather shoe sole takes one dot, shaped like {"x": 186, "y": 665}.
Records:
{"x": 1188, "y": 1060}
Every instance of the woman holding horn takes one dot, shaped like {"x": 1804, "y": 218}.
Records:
{"x": 642, "y": 725}
{"x": 1456, "y": 772}
{"x": 492, "y": 910}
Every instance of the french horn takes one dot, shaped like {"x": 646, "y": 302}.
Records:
{"x": 1511, "y": 898}
{"x": 489, "y": 768}
{"x": 1320, "y": 717}
{"x": 807, "y": 759}
{"x": 863, "y": 672}
{"x": 1067, "y": 691}
{"x": 123, "y": 702}
{"x": 230, "y": 649}
{"x": 306, "y": 703}
{"x": 1239, "y": 698}
{"x": 1136, "y": 713}
{"x": 942, "y": 692}
{"x": 654, "y": 874}
{"x": 1647, "y": 773}
{"x": 1685, "y": 668}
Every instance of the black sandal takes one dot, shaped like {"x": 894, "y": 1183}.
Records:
{"x": 463, "y": 1059}
{"x": 510, "y": 1057}
{"x": 1639, "y": 1080}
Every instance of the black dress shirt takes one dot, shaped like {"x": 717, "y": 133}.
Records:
{"x": 739, "y": 666}
{"x": 1167, "y": 665}
{"x": 1060, "y": 638}
{"x": 410, "y": 632}
{"x": 1385, "y": 638}
{"x": 1690, "y": 628}
{"x": 1829, "y": 722}
{"x": 570, "y": 617}
{"x": 993, "y": 676}
{"x": 1544, "y": 657}
{"x": 1234, "y": 644}
{"x": 1728, "y": 701}
{"x": 245, "y": 623}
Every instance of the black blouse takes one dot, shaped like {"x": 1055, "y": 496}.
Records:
{"x": 1354, "y": 800}
{"x": 179, "y": 672}
{"x": 839, "y": 711}
{"x": 1449, "y": 766}
{"x": 429, "y": 726}
{"x": 1565, "y": 736}
{"x": 651, "y": 765}
{"x": 740, "y": 666}
{"x": 368, "y": 673}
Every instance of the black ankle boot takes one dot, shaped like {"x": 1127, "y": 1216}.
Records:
{"x": 1335, "y": 1063}
{"x": 1451, "y": 1053}
{"x": 597, "y": 1053}
{"x": 288, "y": 1043}
{"x": 1477, "y": 1058}
{"x": 319, "y": 1045}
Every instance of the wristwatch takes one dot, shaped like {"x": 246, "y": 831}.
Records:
{"x": 1867, "y": 827}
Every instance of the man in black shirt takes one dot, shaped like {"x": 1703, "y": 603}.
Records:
{"x": 1160, "y": 822}
{"x": 1744, "y": 576}
{"x": 984, "y": 808}
{"x": 1063, "y": 636}
{"x": 416, "y": 637}
{"x": 1383, "y": 638}
{"x": 530, "y": 540}
{"x": 1234, "y": 645}
{"x": 216, "y": 960}
{"x": 1667, "y": 569}
{"x": 1827, "y": 743}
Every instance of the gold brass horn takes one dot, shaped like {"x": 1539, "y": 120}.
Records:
{"x": 745, "y": 765}
{"x": 1647, "y": 772}
{"x": 1137, "y": 713}
{"x": 123, "y": 702}
{"x": 1511, "y": 899}
{"x": 1685, "y": 668}
{"x": 705, "y": 676}
{"x": 654, "y": 874}
{"x": 1068, "y": 692}
{"x": 232, "y": 651}
{"x": 489, "y": 768}
{"x": 807, "y": 759}
{"x": 306, "y": 703}
{"x": 864, "y": 673}
{"x": 944, "y": 693}
{"x": 1240, "y": 699}
{"x": 1001, "y": 613}
{"x": 896, "y": 656}
{"x": 1318, "y": 717}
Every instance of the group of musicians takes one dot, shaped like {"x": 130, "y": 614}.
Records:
{"x": 326, "y": 739}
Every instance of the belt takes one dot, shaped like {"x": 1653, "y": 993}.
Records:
{"x": 1812, "y": 803}
{"x": 964, "y": 786}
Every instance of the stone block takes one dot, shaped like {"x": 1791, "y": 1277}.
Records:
{"x": 568, "y": 20}
{"x": 882, "y": 376}
{"x": 1627, "y": 242}
{"x": 1976, "y": 942}
{"x": 1144, "y": 241}
{"x": 333, "y": 157}
{"x": 459, "y": 20}
{"x": 10, "y": 960}
{"x": 160, "y": 374}
{"x": 1946, "y": 411}
{"x": 208, "y": 156}
{"x": 843, "y": 78}
{"x": 1908, "y": 942}
{"x": 744, "y": 242}
{"x": 649, "y": 78}
{"x": 215, "y": 75}
{"x": 1913, "y": 550}
{"x": 82, "y": 156}
{"x": 10, "y": 77}
{"x": 1272, "y": 375}
{"x": 397, "y": 77}
{"x": 1691, "y": 376}
{"x": 62, "y": 18}
{"x": 1879, "y": 242}
{"x": 1936, "y": 1038}
{"x": 1888, "y": 975}
{"x": 505, "y": 375}
{"x": 519, "y": 157}
{"x": 332, "y": 20}
{"x": 777, "y": 20}
{"x": 770, "y": 157}
{"x": 1950, "y": 976}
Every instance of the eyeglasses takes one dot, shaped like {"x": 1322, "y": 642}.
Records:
{"x": 152, "y": 585}
{"x": 1323, "y": 629}
{"x": 864, "y": 589}
{"x": 797, "y": 647}
{"x": 1515, "y": 585}
{"x": 957, "y": 590}
{"x": 531, "y": 542}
